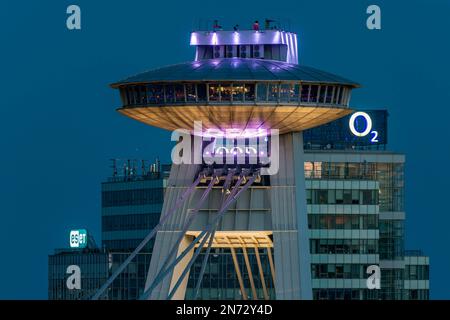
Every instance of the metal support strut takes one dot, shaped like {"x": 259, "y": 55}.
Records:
{"x": 204, "y": 235}
{"x": 233, "y": 196}
{"x": 186, "y": 226}
{"x": 226, "y": 185}
{"x": 162, "y": 273}
{"x": 150, "y": 235}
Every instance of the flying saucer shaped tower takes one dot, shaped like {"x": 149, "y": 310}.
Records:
{"x": 243, "y": 81}
{"x": 239, "y": 80}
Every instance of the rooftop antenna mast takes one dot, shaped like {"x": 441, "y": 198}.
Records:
{"x": 114, "y": 167}
{"x": 143, "y": 167}
{"x": 125, "y": 170}
{"x": 158, "y": 164}
{"x": 134, "y": 167}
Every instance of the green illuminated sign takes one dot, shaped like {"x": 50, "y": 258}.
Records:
{"x": 78, "y": 238}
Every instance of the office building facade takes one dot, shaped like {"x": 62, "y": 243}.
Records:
{"x": 94, "y": 270}
{"x": 131, "y": 206}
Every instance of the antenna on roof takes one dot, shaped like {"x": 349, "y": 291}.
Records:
{"x": 114, "y": 166}
{"x": 134, "y": 167}
{"x": 143, "y": 167}
{"x": 158, "y": 165}
{"x": 125, "y": 169}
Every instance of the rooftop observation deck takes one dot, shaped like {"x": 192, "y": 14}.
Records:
{"x": 240, "y": 79}
{"x": 259, "y": 44}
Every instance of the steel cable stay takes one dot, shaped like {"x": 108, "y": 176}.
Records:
{"x": 205, "y": 261}
{"x": 232, "y": 197}
{"x": 160, "y": 276}
{"x": 204, "y": 233}
{"x": 150, "y": 235}
{"x": 174, "y": 248}
{"x": 226, "y": 185}
{"x": 209, "y": 228}
{"x": 207, "y": 237}
{"x": 162, "y": 273}
{"x": 189, "y": 221}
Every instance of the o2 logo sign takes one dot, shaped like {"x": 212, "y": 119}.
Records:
{"x": 356, "y": 129}
{"x": 78, "y": 238}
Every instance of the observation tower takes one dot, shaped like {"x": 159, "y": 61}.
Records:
{"x": 246, "y": 190}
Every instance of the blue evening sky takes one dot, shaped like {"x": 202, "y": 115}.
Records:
{"x": 59, "y": 129}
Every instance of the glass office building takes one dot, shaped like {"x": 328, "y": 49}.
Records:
{"x": 416, "y": 276}
{"x": 355, "y": 203}
{"x": 93, "y": 264}
{"x": 132, "y": 199}
{"x": 220, "y": 281}
{"x": 355, "y": 220}
{"x": 131, "y": 207}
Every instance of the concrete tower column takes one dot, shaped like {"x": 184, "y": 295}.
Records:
{"x": 290, "y": 222}
{"x": 181, "y": 177}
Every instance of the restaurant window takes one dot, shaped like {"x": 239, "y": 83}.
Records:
{"x": 285, "y": 90}
{"x": 201, "y": 92}
{"x": 294, "y": 91}
{"x": 313, "y": 93}
{"x": 329, "y": 94}
{"x": 129, "y": 95}
{"x": 262, "y": 92}
{"x": 134, "y": 97}
{"x": 142, "y": 95}
{"x": 273, "y": 92}
{"x": 191, "y": 94}
{"x": 238, "y": 91}
{"x": 305, "y": 93}
{"x": 123, "y": 96}
{"x": 214, "y": 92}
{"x": 170, "y": 93}
{"x": 155, "y": 94}
{"x": 343, "y": 95}
{"x": 225, "y": 91}
{"x": 179, "y": 93}
{"x": 249, "y": 90}
{"x": 135, "y": 93}
{"x": 322, "y": 93}
{"x": 336, "y": 94}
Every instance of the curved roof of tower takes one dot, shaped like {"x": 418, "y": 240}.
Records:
{"x": 236, "y": 69}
